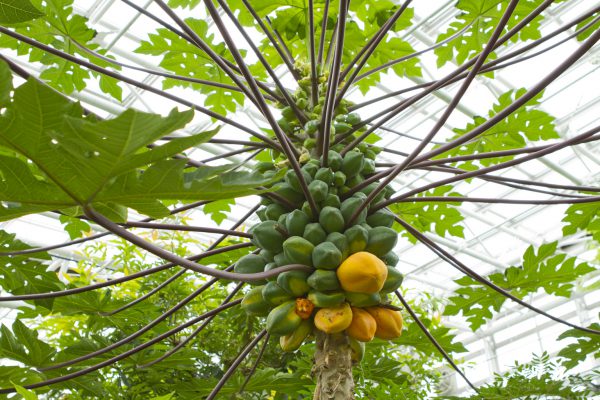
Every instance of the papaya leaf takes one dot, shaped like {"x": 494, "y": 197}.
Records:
{"x": 218, "y": 209}
{"x": 75, "y": 227}
{"x": 22, "y": 344}
{"x": 585, "y": 344}
{"x": 14, "y": 11}
{"x": 583, "y": 217}
{"x": 415, "y": 338}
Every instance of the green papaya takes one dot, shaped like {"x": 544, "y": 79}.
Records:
{"x": 318, "y": 190}
{"x": 294, "y": 282}
{"x": 331, "y": 201}
{"x": 381, "y": 218}
{"x": 350, "y": 206}
{"x": 352, "y": 118}
{"x": 298, "y": 250}
{"x": 381, "y": 240}
{"x": 341, "y": 242}
{"x": 281, "y": 220}
{"x": 339, "y": 179}
{"x": 280, "y": 259}
{"x": 270, "y": 266}
{"x": 324, "y": 280}
{"x": 325, "y": 175}
{"x": 310, "y": 168}
{"x": 368, "y": 167}
{"x": 358, "y": 237}
{"x": 267, "y": 255}
{"x": 370, "y": 154}
{"x": 324, "y": 300}
{"x": 352, "y": 163}
{"x": 309, "y": 144}
{"x": 302, "y": 103}
{"x": 288, "y": 113}
{"x": 291, "y": 178}
{"x": 289, "y": 193}
{"x": 293, "y": 341}
{"x": 312, "y": 126}
{"x": 360, "y": 195}
{"x": 388, "y": 192}
{"x": 363, "y": 299}
{"x": 393, "y": 281}
{"x": 342, "y": 127}
{"x": 262, "y": 214}
{"x": 368, "y": 189}
{"x": 354, "y": 180}
{"x": 295, "y": 222}
{"x": 358, "y": 350}
{"x": 326, "y": 256}
{"x": 283, "y": 320}
{"x": 274, "y": 211}
{"x": 273, "y": 294}
{"x": 314, "y": 233}
{"x": 250, "y": 264}
{"x": 307, "y": 210}
{"x": 253, "y": 302}
{"x": 391, "y": 258}
{"x": 266, "y": 236}
{"x": 331, "y": 219}
{"x": 334, "y": 160}
{"x": 264, "y": 166}
{"x": 285, "y": 125}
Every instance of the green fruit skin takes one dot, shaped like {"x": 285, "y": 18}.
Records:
{"x": 352, "y": 118}
{"x": 381, "y": 240}
{"x": 267, "y": 255}
{"x": 381, "y": 218}
{"x": 295, "y": 222}
{"x": 298, "y": 250}
{"x": 367, "y": 191}
{"x": 393, "y": 281}
{"x": 274, "y": 211}
{"x": 280, "y": 259}
{"x": 266, "y": 236}
{"x": 391, "y": 258}
{"x": 294, "y": 282}
{"x": 388, "y": 192}
{"x": 314, "y": 233}
{"x": 363, "y": 299}
{"x": 270, "y": 266}
{"x": 253, "y": 302}
{"x": 324, "y": 280}
{"x": 293, "y": 342}
{"x": 334, "y": 160}
{"x": 339, "y": 179}
{"x": 322, "y": 300}
{"x": 264, "y": 166}
{"x": 368, "y": 167}
{"x": 331, "y": 219}
{"x": 262, "y": 214}
{"x": 341, "y": 242}
{"x": 331, "y": 201}
{"x": 311, "y": 126}
{"x": 355, "y": 180}
{"x": 352, "y": 163}
{"x": 358, "y": 238}
{"x": 342, "y": 127}
{"x": 325, "y": 174}
{"x": 290, "y": 194}
{"x": 283, "y": 320}
{"x": 274, "y": 294}
{"x": 250, "y": 264}
{"x": 310, "y": 169}
{"x": 318, "y": 190}
{"x": 326, "y": 256}
{"x": 358, "y": 350}
{"x": 292, "y": 179}
{"x": 349, "y": 207}
{"x": 307, "y": 210}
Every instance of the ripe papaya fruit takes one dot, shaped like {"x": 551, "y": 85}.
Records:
{"x": 254, "y": 303}
{"x": 294, "y": 282}
{"x": 389, "y": 322}
{"x": 358, "y": 238}
{"x": 363, "y": 299}
{"x": 381, "y": 218}
{"x": 298, "y": 250}
{"x": 304, "y": 307}
{"x": 334, "y": 319}
{"x": 315, "y": 233}
{"x": 350, "y": 206}
{"x": 318, "y": 190}
{"x": 381, "y": 240}
{"x": 340, "y": 241}
{"x": 283, "y": 320}
{"x": 352, "y": 163}
{"x": 391, "y": 258}
{"x": 326, "y": 256}
{"x": 274, "y": 294}
{"x": 323, "y": 299}
{"x": 362, "y": 272}
{"x": 331, "y": 219}
{"x": 293, "y": 341}
{"x": 274, "y": 211}
{"x": 295, "y": 222}
{"x": 325, "y": 175}
{"x": 324, "y": 280}
{"x": 250, "y": 264}
{"x": 363, "y": 325}
{"x": 393, "y": 281}
{"x": 291, "y": 178}
{"x": 334, "y": 160}
{"x": 266, "y": 236}
{"x": 358, "y": 350}
{"x": 331, "y": 200}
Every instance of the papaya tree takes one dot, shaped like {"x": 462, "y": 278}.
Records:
{"x": 318, "y": 264}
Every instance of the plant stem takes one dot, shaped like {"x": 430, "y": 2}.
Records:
{"x": 332, "y": 368}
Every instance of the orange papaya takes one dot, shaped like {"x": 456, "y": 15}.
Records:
{"x": 363, "y": 325}
{"x": 334, "y": 319}
{"x": 362, "y": 272}
{"x": 389, "y": 322}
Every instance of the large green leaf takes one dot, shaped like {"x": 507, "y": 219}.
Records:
{"x": 583, "y": 217}
{"x": 585, "y": 344}
{"x": 22, "y": 344}
{"x": 14, "y": 11}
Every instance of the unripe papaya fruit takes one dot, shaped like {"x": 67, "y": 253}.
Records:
{"x": 350, "y": 206}
{"x": 368, "y": 167}
{"x": 362, "y": 272}
{"x": 342, "y": 127}
{"x": 326, "y": 256}
{"x": 339, "y": 179}
{"x": 363, "y": 299}
{"x": 318, "y": 190}
{"x": 309, "y": 144}
{"x": 358, "y": 350}
{"x": 270, "y": 266}
{"x": 363, "y": 325}
{"x": 288, "y": 113}
{"x": 391, "y": 258}
{"x": 283, "y": 320}
{"x": 307, "y": 210}
{"x": 314, "y": 233}
{"x": 280, "y": 259}
{"x": 293, "y": 341}
{"x": 281, "y": 221}
{"x": 312, "y": 126}
{"x": 290, "y": 194}
{"x": 341, "y": 242}
{"x": 352, "y": 118}
{"x": 393, "y": 281}
{"x": 254, "y": 303}
{"x": 323, "y": 300}
{"x": 266, "y": 236}
{"x": 262, "y": 214}
{"x": 389, "y": 322}
{"x": 267, "y": 255}
{"x": 388, "y": 191}
{"x": 324, "y": 280}
{"x": 334, "y": 319}
{"x": 369, "y": 188}
{"x": 358, "y": 238}
{"x": 274, "y": 294}
{"x": 331, "y": 219}
{"x": 264, "y": 166}
{"x": 331, "y": 200}
{"x": 295, "y": 222}
{"x": 325, "y": 175}
{"x": 250, "y": 264}
{"x": 352, "y": 163}
{"x": 354, "y": 180}
{"x": 310, "y": 168}
{"x": 291, "y": 178}
{"x": 381, "y": 218}
{"x": 294, "y": 282}
{"x": 274, "y": 211}
{"x": 334, "y": 160}
{"x": 381, "y": 240}
{"x": 298, "y": 250}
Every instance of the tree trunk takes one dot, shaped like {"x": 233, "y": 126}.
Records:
{"x": 332, "y": 368}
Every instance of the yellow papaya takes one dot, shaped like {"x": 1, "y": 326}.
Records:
{"x": 389, "y": 322}
{"x": 363, "y": 325}
{"x": 294, "y": 340}
{"x": 362, "y": 272}
{"x": 334, "y": 319}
